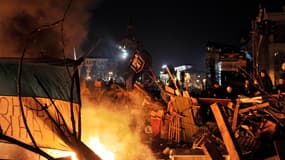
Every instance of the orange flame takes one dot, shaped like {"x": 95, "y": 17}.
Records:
{"x": 113, "y": 130}
{"x": 100, "y": 149}
{"x": 58, "y": 153}
{"x": 94, "y": 144}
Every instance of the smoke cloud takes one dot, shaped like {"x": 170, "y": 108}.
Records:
{"x": 118, "y": 120}
{"x": 20, "y": 17}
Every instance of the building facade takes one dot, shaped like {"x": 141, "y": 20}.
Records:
{"x": 98, "y": 69}
{"x": 276, "y": 44}
{"x": 226, "y": 65}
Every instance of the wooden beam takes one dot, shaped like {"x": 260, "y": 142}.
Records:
{"x": 226, "y": 132}
{"x": 210, "y": 101}
{"x": 211, "y": 151}
{"x": 177, "y": 91}
{"x": 206, "y": 152}
{"x": 255, "y": 107}
{"x": 235, "y": 117}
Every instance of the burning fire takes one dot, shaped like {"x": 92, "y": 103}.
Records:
{"x": 100, "y": 149}
{"x": 59, "y": 153}
{"x": 113, "y": 130}
{"x": 94, "y": 144}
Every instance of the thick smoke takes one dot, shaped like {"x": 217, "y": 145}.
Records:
{"x": 20, "y": 17}
{"x": 118, "y": 119}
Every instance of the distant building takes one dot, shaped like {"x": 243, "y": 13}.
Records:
{"x": 265, "y": 50}
{"x": 267, "y": 44}
{"x": 226, "y": 64}
{"x": 276, "y": 45}
{"x": 185, "y": 76}
{"x": 98, "y": 68}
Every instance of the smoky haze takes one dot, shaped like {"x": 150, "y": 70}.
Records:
{"x": 20, "y": 17}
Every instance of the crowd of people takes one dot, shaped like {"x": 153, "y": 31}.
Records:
{"x": 262, "y": 85}
{"x": 251, "y": 87}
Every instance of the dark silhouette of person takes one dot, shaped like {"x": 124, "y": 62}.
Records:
{"x": 217, "y": 91}
{"x": 231, "y": 93}
{"x": 280, "y": 87}
{"x": 266, "y": 82}
{"x": 248, "y": 88}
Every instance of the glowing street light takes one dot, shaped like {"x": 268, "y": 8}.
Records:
{"x": 164, "y": 66}
{"x": 123, "y": 52}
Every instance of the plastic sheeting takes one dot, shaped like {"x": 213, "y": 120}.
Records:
{"x": 39, "y": 79}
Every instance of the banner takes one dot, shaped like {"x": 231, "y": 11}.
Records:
{"x": 39, "y": 123}
{"x": 137, "y": 63}
{"x": 48, "y": 88}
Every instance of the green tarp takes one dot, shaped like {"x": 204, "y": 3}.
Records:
{"x": 40, "y": 78}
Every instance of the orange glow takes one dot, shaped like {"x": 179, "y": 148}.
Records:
{"x": 58, "y": 153}
{"x": 94, "y": 144}
{"x": 100, "y": 149}
{"x": 113, "y": 129}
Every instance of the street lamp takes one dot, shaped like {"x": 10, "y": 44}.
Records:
{"x": 123, "y": 52}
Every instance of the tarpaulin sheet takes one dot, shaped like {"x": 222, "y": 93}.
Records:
{"x": 45, "y": 88}
{"x": 38, "y": 79}
{"x": 40, "y": 125}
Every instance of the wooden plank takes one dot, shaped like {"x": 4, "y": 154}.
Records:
{"x": 177, "y": 91}
{"x": 255, "y": 107}
{"x": 226, "y": 133}
{"x": 211, "y": 151}
{"x": 206, "y": 152}
{"x": 235, "y": 117}
{"x": 209, "y": 101}
{"x": 186, "y": 109}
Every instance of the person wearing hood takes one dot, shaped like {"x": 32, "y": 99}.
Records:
{"x": 266, "y": 82}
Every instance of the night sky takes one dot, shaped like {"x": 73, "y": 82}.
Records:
{"x": 174, "y": 32}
